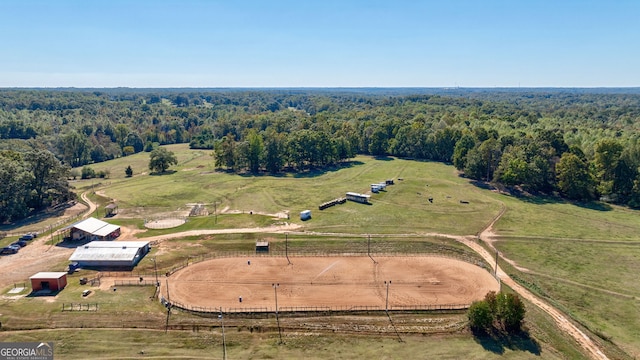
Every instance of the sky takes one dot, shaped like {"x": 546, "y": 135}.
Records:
{"x": 324, "y": 43}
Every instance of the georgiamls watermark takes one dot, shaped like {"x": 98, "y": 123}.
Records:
{"x": 26, "y": 351}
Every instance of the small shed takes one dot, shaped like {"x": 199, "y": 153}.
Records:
{"x": 110, "y": 210}
{"x": 53, "y": 281}
{"x": 305, "y": 215}
{"x": 262, "y": 246}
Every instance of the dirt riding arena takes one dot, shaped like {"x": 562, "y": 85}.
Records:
{"x": 335, "y": 282}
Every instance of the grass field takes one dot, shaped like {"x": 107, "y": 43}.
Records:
{"x": 583, "y": 257}
{"x": 403, "y": 208}
{"x": 128, "y": 344}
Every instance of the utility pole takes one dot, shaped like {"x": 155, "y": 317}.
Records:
{"x": 166, "y": 326}
{"x": 155, "y": 267}
{"x": 286, "y": 247}
{"x": 386, "y": 305}
{"x": 275, "y": 289}
{"x": 224, "y": 342}
{"x": 496, "y": 268}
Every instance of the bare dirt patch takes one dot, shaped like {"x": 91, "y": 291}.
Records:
{"x": 329, "y": 281}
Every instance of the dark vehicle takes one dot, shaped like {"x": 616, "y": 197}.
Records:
{"x": 8, "y": 250}
{"x": 27, "y": 237}
{"x": 20, "y": 243}
{"x": 73, "y": 267}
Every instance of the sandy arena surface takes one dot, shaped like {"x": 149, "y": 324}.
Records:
{"x": 329, "y": 281}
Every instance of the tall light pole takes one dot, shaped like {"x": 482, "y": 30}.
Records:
{"x": 155, "y": 267}
{"x": 224, "y": 342}
{"x": 386, "y": 305}
{"x": 286, "y": 247}
{"x": 275, "y": 289}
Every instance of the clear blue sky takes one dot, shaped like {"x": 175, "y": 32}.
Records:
{"x": 325, "y": 43}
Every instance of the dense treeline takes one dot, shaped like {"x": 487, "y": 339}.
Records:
{"x": 29, "y": 181}
{"x": 582, "y": 144}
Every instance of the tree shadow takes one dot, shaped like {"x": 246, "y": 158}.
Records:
{"x": 384, "y": 158}
{"x": 71, "y": 244}
{"x": 595, "y": 205}
{"x": 306, "y": 173}
{"x": 497, "y": 342}
{"x": 38, "y": 217}
{"x": 311, "y": 173}
{"x": 540, "y": 198}
{"x": 166, "y": 172}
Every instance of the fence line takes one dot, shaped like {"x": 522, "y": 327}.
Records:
{"x": 312, "y": 253}
{"x": 312, "y": 309}
{"x": 135, "y": 283}
{"x": 46, "y": 229}
{"x": 79, "y": 307}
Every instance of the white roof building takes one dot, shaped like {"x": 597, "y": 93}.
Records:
{"x": 94, "y": 229}
{"x": 110, "y": 253}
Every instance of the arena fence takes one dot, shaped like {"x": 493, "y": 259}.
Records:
{"x": 135, "y": 283}
{"x": 312, "y": 310}
{"x": 312, "y": 253}
{"x": 79, "y": 306}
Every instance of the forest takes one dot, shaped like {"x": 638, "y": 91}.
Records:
{"x": 580, "y": 144}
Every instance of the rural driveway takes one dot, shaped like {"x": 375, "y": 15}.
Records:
{"x": 36, "y": 256}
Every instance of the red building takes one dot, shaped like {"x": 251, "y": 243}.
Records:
{"x": 54, "y": 281}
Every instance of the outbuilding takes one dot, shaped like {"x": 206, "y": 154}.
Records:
{"x": 262, "y": 246}
{"x": 111, "y": 210}
{"x": 93, "y": 229}
{"x": 361, "y": 198}
{"x": 110, "y": 254}
{"x": 53, "y": 281}
{"x": 305, "y": 215}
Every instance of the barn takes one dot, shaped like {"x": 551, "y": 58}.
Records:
{"x": 120, "y": 254}
{"x": 92, "y": 229}
{"x": 53, "y": 281}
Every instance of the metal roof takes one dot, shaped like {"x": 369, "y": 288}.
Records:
{"x": 48, "y": 275}
{"x": 95, "y": 227}
{"x": 108, "y": 251}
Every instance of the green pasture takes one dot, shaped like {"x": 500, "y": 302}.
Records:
{"x": 140, "y": 343}
{"x": 555, "y": 218}
{"x": 595, "y": 282}
{"x": 403, "y": 208}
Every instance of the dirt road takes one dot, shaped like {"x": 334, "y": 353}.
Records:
{"x": 36, "y": 256}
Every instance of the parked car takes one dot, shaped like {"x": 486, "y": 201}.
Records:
{"x": 15, "y": 247}
{"x": 27, "y": 237}
{"x": 20, "y": 243}
{"x": 86, "y": 292}
{"x": 7, "y": 250}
